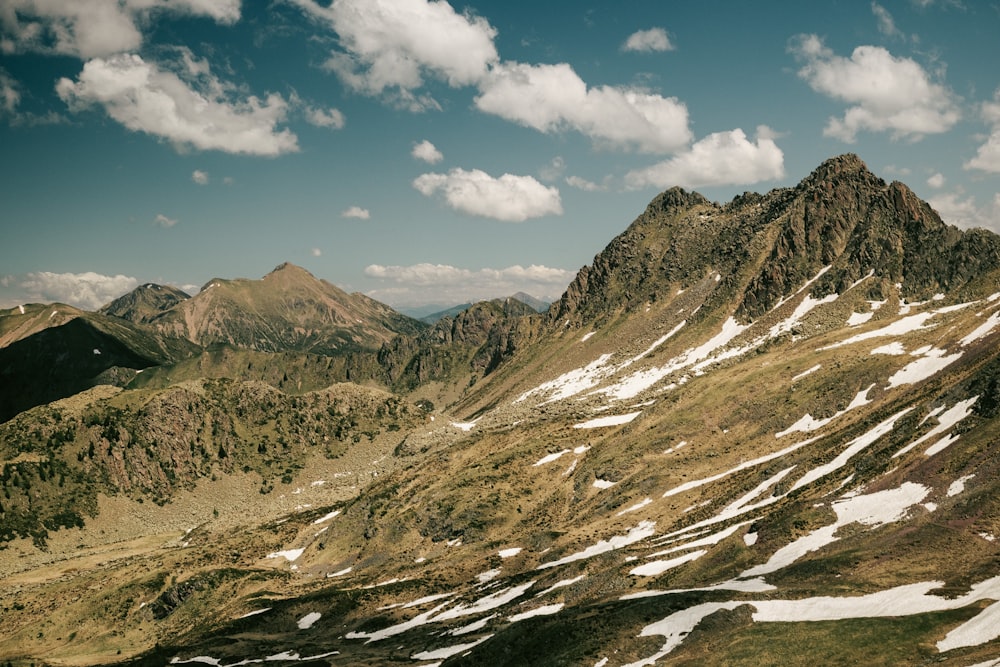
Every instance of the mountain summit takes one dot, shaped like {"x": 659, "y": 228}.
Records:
{"x": 288, "y": 309}
{"x": 765, "y": 246}
{"x": 763, "y": 432}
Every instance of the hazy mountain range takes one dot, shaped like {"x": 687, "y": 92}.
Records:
{"x": 759, "y": 432}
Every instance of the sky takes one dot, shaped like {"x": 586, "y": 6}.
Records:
{"x": 423, "y": 152}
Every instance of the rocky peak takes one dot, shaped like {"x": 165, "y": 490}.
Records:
{"x": 145, "y": 303}
{"x": 765, "y": 247}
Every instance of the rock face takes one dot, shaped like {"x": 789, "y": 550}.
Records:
{"x": 766, "y": 246}
{"x": 145, "y": 303}
{"x": 289, "y": 309}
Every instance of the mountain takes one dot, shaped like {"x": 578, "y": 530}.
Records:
{"x": 57, "y": 351}
{"x": 537, "y": 304}
{"x": 755, "y": 433}
{"x": 145, "y": 303}
{"x": 440, "y": 313}
{"x": 289, "y": 309}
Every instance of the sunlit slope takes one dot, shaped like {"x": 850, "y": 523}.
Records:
{"x": 768, "y": 439}
{"x": 796, "y": 449}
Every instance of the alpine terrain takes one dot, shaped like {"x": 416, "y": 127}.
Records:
{"x": 759, "y": 432}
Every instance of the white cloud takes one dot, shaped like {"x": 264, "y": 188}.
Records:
{"x": 10, "y": 94}
{"x": 95, "y": 28}
{"x": 988, "y": 156}
{"x": 583, "y": 184}
{"x": 960, "y": 210}
{"x": 331, "y": 118}
{"x": 390, "y": 46}
{"x": 200, "y": 177}
{"x": 427, "y": 152}
{"x": 886, "y": 24}
{"x": 442, "y": 283}
{"x": 936, "y": 181}
{"x": 316, "y": 252}
{"x": 10, "y": 102}
{"x": 888, "y": 93}
{"x": 654, "y": 39}
{"x": 83, "y": 290}
{"x": 722, "y": 158}
{"x": 553, "y": 98}
{"x": 508, "y": 198}
{"x": 163, "y": 221}
{"x": 356, "y": 212}
{"x": 198, "y": 110}
{"x": 554, "y": 170}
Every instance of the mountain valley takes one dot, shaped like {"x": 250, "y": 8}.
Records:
{"x": 759, "y": 432}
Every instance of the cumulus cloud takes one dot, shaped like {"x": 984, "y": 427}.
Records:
{"x": 163, "y": 221}
{"x": 88, "y": 291}
{"x": 722, "y": 158}
{"x": 427, "y": 152}
{"x": 887, "y": 93}
{"x": 390, "y": 46}
{"x": 442, "y": 283}
{"x": 988, "y": 156}
{"x": 508, "y": 198}
{"x": 654, "y": 39}
{"x": 189, "y": 108}
{"x": 553, "y": 98}
{"x": 356, "y": 212}
{"x": 936, "y": 181}
{"x": 331, "y": 118}
{"x": 316, "y": 252}
{"x": 200, "y": 177}
{"x": 962, "y": 211}
{"x": 95, "y": 28}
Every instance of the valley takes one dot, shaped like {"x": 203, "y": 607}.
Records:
{"x": 763, "y": 432}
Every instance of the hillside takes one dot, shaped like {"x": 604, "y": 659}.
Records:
{"x": 755, "y": 433}
{"x": 288, "y": 309}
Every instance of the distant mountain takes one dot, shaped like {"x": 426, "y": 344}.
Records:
{"x": 289, "y": 309}
{"x": 82, "y": 351}
{"x": 145, "y": 303}
{"x": 539, "y": 305}
{"x": 432, "y": 318}
{"x": 760, "y": 432}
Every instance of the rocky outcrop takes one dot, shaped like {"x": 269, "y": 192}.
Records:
{"x": 764, "y": 247}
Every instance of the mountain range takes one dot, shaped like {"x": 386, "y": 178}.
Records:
{"x": 758, "y": 432}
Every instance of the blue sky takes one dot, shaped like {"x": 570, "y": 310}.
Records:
{"x": 426, "y": 152}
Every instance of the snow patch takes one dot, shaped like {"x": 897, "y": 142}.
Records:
{"x": 587, "y": 336}
{"x": 958, "y": 486}
{"x": 308, "y": 620}
{"x": 638, "y": 506}
{"x": 602, "y": 484}
{"x": 547, "y": 610}
{"x": 324, "y": 519}
{"x": 549, "y": 458}
{"x": 288, "y": 554}
{"x": 509, "y": 553}
{"x": 857, "y": 319}
{"x": 638, "y": 533}
{"x": 807, "y": 372}
{"x": 932, "y": 361}
{"x": 660, "y": 566}
{"x": 610, "y": 420}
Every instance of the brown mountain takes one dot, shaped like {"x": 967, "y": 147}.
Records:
{"x": 145, "y": 303}
{"x": 289, "y": 309}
